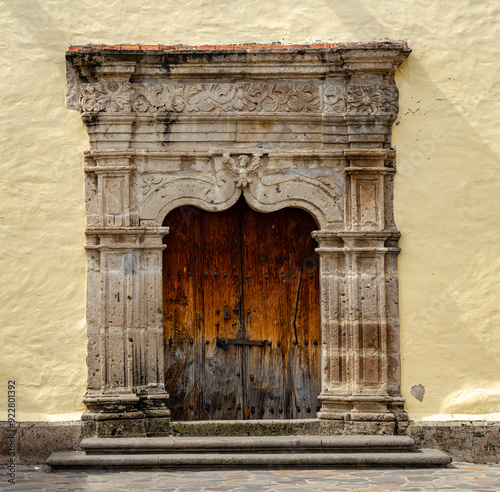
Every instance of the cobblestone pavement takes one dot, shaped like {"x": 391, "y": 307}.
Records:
{"x": 458, "y": 476}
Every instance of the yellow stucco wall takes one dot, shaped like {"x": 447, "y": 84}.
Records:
{"x": 447, "y": 188}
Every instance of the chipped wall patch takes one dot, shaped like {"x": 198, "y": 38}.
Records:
{"x": 418, "y": 392}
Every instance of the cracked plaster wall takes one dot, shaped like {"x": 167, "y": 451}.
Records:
{"x": 446, "y": 198}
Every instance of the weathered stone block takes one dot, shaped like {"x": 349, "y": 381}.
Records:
{"x": 121, "y": 428}
{"x": 486, "y": 442}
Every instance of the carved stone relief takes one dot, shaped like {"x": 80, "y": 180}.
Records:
{"x": 238, "y": 97}
{"x": 307, "y": 129}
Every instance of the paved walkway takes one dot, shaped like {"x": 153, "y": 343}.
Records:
{"x": 458, "y": 476}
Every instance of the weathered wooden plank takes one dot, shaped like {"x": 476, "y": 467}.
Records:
{"x": 304, "y": 371}
{"x": 221, "y": 291}
{"x": 181, "y": 337}
{"x": 262, "y": 264}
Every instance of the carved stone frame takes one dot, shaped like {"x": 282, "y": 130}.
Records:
{"x": 308, "y": 129}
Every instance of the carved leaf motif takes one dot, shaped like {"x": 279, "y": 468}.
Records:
{"x": 361, "y": 99}
{"x": 150, "y": 181}
{"x": 334, "y": 98}
{"x": 210, "y": 97}
{"x": 243, "y": 96}
{"x": 147, "y": 97}
{"x": 271, "y": 97}
{"x": 105, "y": 96}
{"x": 176, "y": 101}
{"x": 201, "y": 97}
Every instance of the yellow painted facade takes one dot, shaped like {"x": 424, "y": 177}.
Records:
{"x": 447, "y": 188}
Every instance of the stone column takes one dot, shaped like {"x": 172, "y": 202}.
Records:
{"x": 360, "y": 358}
{"x": 125, "y": 333}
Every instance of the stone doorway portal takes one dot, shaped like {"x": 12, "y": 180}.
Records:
{"x": 241, "y": 314}
{"x": 303, "y": 128}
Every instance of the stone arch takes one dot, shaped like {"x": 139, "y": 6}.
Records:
{"x": 218, "y": 180}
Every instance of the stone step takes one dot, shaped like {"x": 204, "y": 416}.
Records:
{"x": 279, "y": 427}
{"x": 77, "y": 460}
{"x": 248, "y": 444}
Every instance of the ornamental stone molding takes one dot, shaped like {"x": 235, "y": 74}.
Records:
{"x": 308, "y": 128}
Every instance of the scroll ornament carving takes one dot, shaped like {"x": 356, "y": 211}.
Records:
{"x": 277, "y": 97}
{"x": 241, "y": 96}
{"x": 217, "y": 97}
{"x": 219, "y": 178}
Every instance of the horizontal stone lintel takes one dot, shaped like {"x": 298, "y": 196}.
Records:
{"x": 316, "y": 117}
{"x": 323, "y": 250}
{"x": 127, "y": 231}
{"x": 342, "y": 398}
{"x": 112, "y": 154}
{"x": 359, "y": 154}
{"x": 369, "y": 170}
{"x": 109, "y": 169}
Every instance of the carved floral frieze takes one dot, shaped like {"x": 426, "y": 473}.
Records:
{"x": 106, "y": 96}
{"x": 237, "y": 97}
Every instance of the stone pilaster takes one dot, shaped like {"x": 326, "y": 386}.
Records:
{"x": 361, "y": 373}
{"x": 125, "y": 331}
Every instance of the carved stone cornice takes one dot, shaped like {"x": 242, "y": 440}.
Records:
{"x": 95, "y": 63}
{"x": 335, "y": 81}
{"x": 129, "y": 238}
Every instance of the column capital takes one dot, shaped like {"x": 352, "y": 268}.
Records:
{"x": 126, "y": 238}
{"x": 329, "y": 242}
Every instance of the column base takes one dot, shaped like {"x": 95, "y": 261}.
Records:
{"x": 126, "y": 415}
{"x": 362, "y": 408}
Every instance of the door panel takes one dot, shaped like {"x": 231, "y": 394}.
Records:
{"x": 303, "y": 373}
{"x": 264, "y": 261}
{"x": 220, "y": 296}
{"x": 241, "y": 314}
{"x": 181, "y": 317}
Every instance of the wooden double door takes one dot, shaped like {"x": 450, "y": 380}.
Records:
{"x": 241, "y": 314}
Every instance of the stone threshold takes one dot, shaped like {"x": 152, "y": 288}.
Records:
{"x": 253, "y": 444}
{"x": 64, "y": 461}
{"x": 166, "y": 453}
